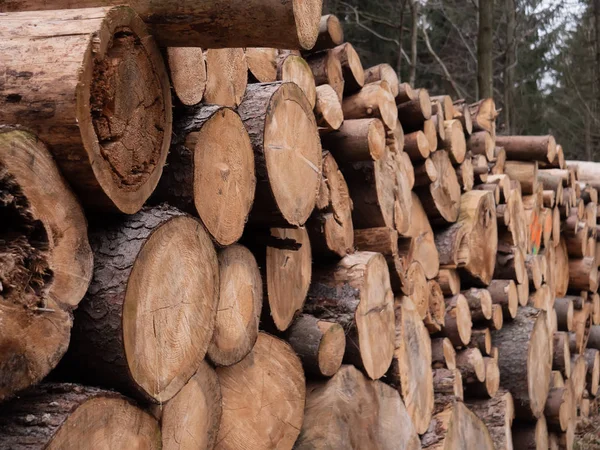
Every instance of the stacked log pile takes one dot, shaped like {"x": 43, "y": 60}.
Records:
{"x": 303, "y": 253}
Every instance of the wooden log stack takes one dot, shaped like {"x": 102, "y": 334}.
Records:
{"x": 302, "y": 253}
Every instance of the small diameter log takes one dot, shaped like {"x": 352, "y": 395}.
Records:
{"x": 210, "y": 171}
{"x": 470, "y": 363}
{"x": 319, "y": 344}
{"x": 582, "y": 322}
{"x": 465, "y": 174}
{"x": 410, "y": 370}
{"x": 594, "y": 339}
{"x": 356, "y": 140}
{"x": 489, "y": 387}
{"x": 436, "y": 316}
{"x": 239, "y": 307}
{"x": 527, "y": 436}
{"x": 406, "y": 93}
{"x": 417, "y": 146}
{"x": 326, "y": 69}
{"x": 512, "y": 266}
{"x": 528, "y": 148}
{"x": 561, "y": 359}
{"x": 454, "y": 142}
{"x": 533, "y": 264}
{"x": 497, "y": 320}
{"x": 46, "y": 259}
{"x": 383, "y": 72}
{"x": 443, "y": 354}
{"x": 443, "y": 104}
{"x": 448, "y": 383}
{"x": 273, "y": 369}
{"x": 480, "y": 304}
{"x": 458, "y": 324}
{"x": 287, "y": 153}
{"x": 328, "y": 109}
{"x": 449, "y": 281}
{"x": 414, "y": 112}
{"x": 124, "y": 334}
{"x": 295, "y": 69}
{"x": 57, "y": 416}
{"x": 441, "y": 199}
{"x": 405, "y": 180}
{"x": 331, "y": 33}
{"x": 438, "y": 123}
{"x": 525, "y": 173}
{"x": 525, "y": 360}
{"x": 578, "y": 376}
{"x": 483, "y": 115}
{"x": 592, "y": 358}
{"x": 352, "y": 68}
{"x": 330, "y": 226}
{"x": 188, "y": 73}
{"x": 426, "y": 173}
{"x": 372, "y": 101}
{"x": 482, "y": 340}
{"x": 191, "y": 419}
{"x": 481, "y": 143}
{"x": 110, "y": 100}
{"x": 416, "y": 287}
{"x": 564, "y": 313}
{"x": 429, "y": 129}
{"x": 395, "y": 141}
{"x": 558, "y": 268}
{"x": 504, "y": 293}
{"x": 498, "y": 414}
{"x": 559, "y": 408}
{"x": 262, "y": 64}
{"x": 348, "y": 293}
{"x": 351, "y": 412}
{"x": 583, "y": 274}
{"x": 226, "y": 76}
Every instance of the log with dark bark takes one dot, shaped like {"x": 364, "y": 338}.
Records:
{"x": 331, "y": 33}
{"x": 356, "y": 293}
{"x": 46, "y": 261}
{"x": 498, "y": 414}
{"x": 273, "y": 370}
{"x": 559, "y": 408}
{"x": 528, "y": 148}
{"x": 262, "y": 64}
{"x": 561, "y": 357}
{"x": 511, "y": 265}
{"x": 480, "y": 304}
{"x": 287, "y": 151}
{"x": 356, "y": 140}
{"x": 328, "y": 109}
{"x": 110, "y": 99}
{"x": 327, "y": 69}
{"x": 583, "y": 274}
{"x": 529, "y": 436}
{"x": 564, "y": 313}
{"x": 481, "y": 338}
{"x": 412, "y": 113}
{"x": 504, "y": 293}
{"x": 294, "y": 69}
{"x": 210, "y": 171}
{"x": 124, "y": 334}
{"x": 449, "y": 281}
{"x": 57, "y": 416}
{"x": 188, "y": 73}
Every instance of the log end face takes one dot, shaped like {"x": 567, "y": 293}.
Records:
{"x": 331, "y": 348}
{"x": 307, "y": 17}
{"x": 539, "y": 364}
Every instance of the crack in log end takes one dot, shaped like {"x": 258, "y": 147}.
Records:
{"x": 25, "y": 274}
{"x": 128, "y": 111}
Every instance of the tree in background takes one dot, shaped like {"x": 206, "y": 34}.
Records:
{"x": 485, "y": 69}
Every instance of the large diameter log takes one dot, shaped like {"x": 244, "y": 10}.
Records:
{"x": 525, "y": 360}
{"x": 262, "y": 64}
{"x": 383, "y": 72}
{"x": 356, "y": 293}
{"x": 263, "y": 398}
{"x": 528, "y": 148}
{"x": 411, "y": 371}
{"x": 125, "y": 333}
{"x": 356, "y": 140}
{"x": 351, "y": 412}
{"x": 498, "y": 414}
{"x": 63, "y": 416}
{"x": 331, "y": 33}
{"x": 239, "y": 307}
{"x": 373, "y": 100}
{"x": 213, "y": 24}
{"x": 330, "y": 226}
{"x": 191, "y": 419}
{"x": 319, "y": 344}
{"x": 328, "y": 109}
{"x": 105, "y": 112}
{"x": 187, "y": 67}
{"x": 456, "y": 427}
{"x": 287, "y": 151}
{"x": 210, "y": 171}
{"x": 294, "y": 69}
{"x": 46, "y": 259}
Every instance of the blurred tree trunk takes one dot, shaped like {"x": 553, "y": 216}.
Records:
{"x": 484, "y": 49}
{"x": 414, "y": 33}
{"x": 509, "y": 63}
{"x": 400, "y": 36}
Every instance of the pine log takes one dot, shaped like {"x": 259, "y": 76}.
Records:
{"x": 559, "y": 409}
{"x": 481, "y": 143}
{"x": 356, "y": 293}
{"x": 470, "y": 363}
{"x": 191, "y": 419}
{"x": 525, "y": 173}
{"x": 351, "y": 412}
{"x": 458, "y": 324}
{"x": 454, "y": 142}
{"x": 436, "y": 315}
{"x": 497, "y": 320}
{"x": 327, "y": 69}
{"x": 61, "y": 416}
{"x": 504, "y": 293}
{"x": 512, "y": 266}
{"x": 227, "y": 76}
{"x": 373, "y": 100}
{"x": 489, "y": 387}
{"x": 448, "y": 383}
{"x": 328, "y": 109}
{"x": 483, "y": 115}
{"x": 443, "y": 354}
{"x": 330, "y": 226}
{"x": 449, "y": 281}
{"x": 528, "y": 148}
{"x": 356, "y": 140}
{"x": 331, "y": 33}
{"x": 383, "y": 72}
{"x": 564, "y": 313}
{"x": 480, "y": 304}
{"x": 239, "y": 307}
{"x": 438, "y": 122}
{"x": 406, "y": 93}
{"x": 414, "y": 112}
{"x": 497, "y": 166}
{"x": 287, "y": 152}
{"x": 592, "y": 358}
{"x": 527, "y": 436}
{"x": 403, "y": 203}
{"x": 273, "y": 369}
{"x": 46, "y": 261}
{"x": 417, "y": 146}
{"x": 481, "y": 339}
{"x": 110, "y": 99}
{"x": 352, "y": 68}
{"x": 429, "y": 129}
{"x": 210, "y": 171}
{"x": 525, "y": 354}
{"x": 498, "y": 414}
{"x": 294, "y": 69}
{"x": 188, "y": 73}
{"x": 262, "y": 64}
{"x": 319, "y": 344}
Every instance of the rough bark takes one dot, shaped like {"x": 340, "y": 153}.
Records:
{"x": 356, "y": 140}
{"x": 498, "y": 414}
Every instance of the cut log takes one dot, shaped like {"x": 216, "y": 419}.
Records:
{"x": 192, "y": 417}
{"x": 480, "y": 304}
{"x": 188, "y": 73}
{"x": 444, "y": 104}
{"x": 331, "y": 33}
{"x": 448, "y": 382}
{"x": 405, "y": 93}
{"x": 531, "y": 437}
{"x": 328, "y": 109}
{"x": 498, "y": 414}
{"x": 287, "y": 152}
{"x": 481, "y": 143}
{"x": 351, "y": 412}
{"x": 383, "y": 72}
{"x": 504, "y": 293}
{"x": 411, "y": 371}
{"x": 273, "y": 369}
{"x": 417, "y": 146}
{"x": 330, "y": 227}
{"x": 293, "y": 68}
{"x": 458, "y": 324}
{"x": 46, "y": 261}
{"x": 436, "y": 316}
{"x": 57, "y": 416}
{"x": 438, "y": 122}
{"x": 559, "y": 408}
{"x": 405, "y": 180}
{"x": 564, "y": 313}
{"x": 426, "y": 173}
{"x": 443, "y": 354}
{"x": 454, "y": 142}
{"x": 227, "y": 76}
{"x": 449, "y": 281}
{"x": 525, "y": 354}
{"x": 416, "y": 287}
{"x": 319, "y": 344}
{"x": 594, "y": 339}
{"x": 466, "y": 175}
{"x": 587, "y": 172}
{"x": 124, "y": 334}
{"x": 483, "y": 115}
{"x": 525, "y": 173}
{"x": 512, "y": 266}
{"x": 352, "y": 69}
{"x": 414, "y": 112}
{"x": 533, "y": 264}
{"x": 523, "y": 293}
{"x": 558, "y": 268}
{"x": 429, "y": 129}
{"x": 356, "y": 140}
{"x": 497, "y": 320}
{"x": 489, "y": 387}
{"x": 239, "y": 307}
{"x": 110, "y": 99}
{"x": 262, "y": 64}
{"x": 578, "y": 376}
{"x": 482, "y": 339}
{"x": 210, "y": 171}
{"x": 373, "y": 100}
{"x": 592, "y": 358}
{"x": 356, "y": 293}
{"x": 528, "y": 148}
{"x": 583, "y": 274}
{"x": 385, "y": 241}
{"x": 395, "y": 141}
{"x": 471, "y": 365}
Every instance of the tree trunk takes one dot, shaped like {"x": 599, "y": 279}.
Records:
{"x": 66, "y": 415}
{"x": 46, "y": 261}
{"x": 210, "y": 171}
{"x": 331, "y": 33}
{"x": 528, "y": 148}
{"x": 110, "y": 99}
{"x": 294, "y": 69}
{"x": 124, "y": 334}
{"x": 273, "y": 370}
{"x": 498, "y": 414}
{"x": 188, "y": 73}
{"x": 414, "y": 34}
{"x": 509, "y": 64}
{"x": 262, "y": 64}
{"x": 356, "y": 293}
{"x": 328, "y": 109}
{"x": 485, "y": 36}
{"x": 287, "y": 154}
